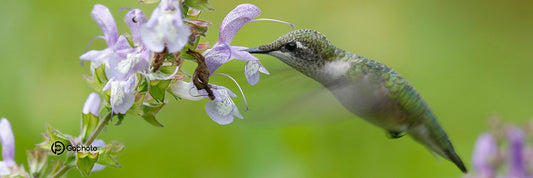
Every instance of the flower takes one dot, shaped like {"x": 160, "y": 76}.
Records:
{"x": 165, "y": 28}
{"x": 516, "y": 152}
{"x": 122, "y": 61}
{"x": 222, "y": 109}
{"x": 484, "y": 155}
{"x": 8, "y": 147}
{"x": 222, "y": 52}
{"x": 506, "y": 146}
{"x": 92, "y": 105}
{"x": 104, "y": 19}
{"x": 122, "y": 93}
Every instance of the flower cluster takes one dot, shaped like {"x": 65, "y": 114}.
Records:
{"x": 133, "y": 74}
{"x": 135, "y": 70}
{"x": 506, "y": 146}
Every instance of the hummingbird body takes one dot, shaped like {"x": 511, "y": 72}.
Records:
{"x": 367, "y": 88}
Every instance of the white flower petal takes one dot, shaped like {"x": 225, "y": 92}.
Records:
{"x": 185, "y": 90}
{"x": 4, "y": 170}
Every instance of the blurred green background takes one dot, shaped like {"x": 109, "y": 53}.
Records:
{"x": 469, "y": 59}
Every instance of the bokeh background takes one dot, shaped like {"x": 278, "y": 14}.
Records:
{"x": 469, "y": 59}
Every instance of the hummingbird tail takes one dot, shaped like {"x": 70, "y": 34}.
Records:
{"x": 430, "y": 134}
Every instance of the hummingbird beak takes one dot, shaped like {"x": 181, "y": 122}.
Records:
{"x": 256, "y": 50}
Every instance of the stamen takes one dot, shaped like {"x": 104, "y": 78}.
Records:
{"x": 244, "y": 97}
{"x": 91, "y": 42}
{"x": 275, "y": 20}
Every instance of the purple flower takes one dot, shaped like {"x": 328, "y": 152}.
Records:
{"x": 485, "y": 153}
{"x": 166, "y": 28}
{"x": 105, "y": 20}
{"x": 129, "y": 61}
{"x": 120, "y": 59}
{"x": 516, "y": 152}
{"x": 222, "y": 109}
{"x": 122, "y": 93}
{"x": 8, "y": 147}
{"x": 252, "y": 70}
{"x": 135, "y": 19}
{"x": 92, "y": 105}
{"x": 222, "y": 52}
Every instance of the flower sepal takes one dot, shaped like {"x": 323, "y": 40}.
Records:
{"x": 150, "y": 110}
{"x": 17, "y": 171}
{"x": 199, "y": 28}
{"x": 85, "y": 161}
{"x": 52, "y": 136}
{"x": 88, "y": 124}
{"x": 109, "y": 154}
{"x": 146, "y": 109}
{"x": 37, "y": 160}
{"x": 199, "y": 4}
{"x": 98, "y": 80}
{"x": 157, "y": 89}
{"x": 136, "y": 109}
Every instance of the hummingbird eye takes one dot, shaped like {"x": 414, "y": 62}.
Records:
{"x": 291, "y": 46}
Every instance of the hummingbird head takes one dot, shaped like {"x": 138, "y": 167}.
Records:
{"x": 304, "y": 50}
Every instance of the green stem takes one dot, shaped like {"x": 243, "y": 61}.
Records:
{"x": 61, "y": 171}
{"x": 98, "y": 129}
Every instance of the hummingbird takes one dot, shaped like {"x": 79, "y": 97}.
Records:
{"x": 367, "y": 88}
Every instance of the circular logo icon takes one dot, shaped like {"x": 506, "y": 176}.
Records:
{"x": 58, "y": 148}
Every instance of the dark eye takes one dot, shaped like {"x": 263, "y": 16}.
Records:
{"x": 290, "y": 46}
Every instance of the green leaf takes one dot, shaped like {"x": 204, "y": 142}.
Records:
{"x": 157, "y": 89}
{"x": 150, "y": 110}
{"x": 110, "y": 153}
{"x": 199, "y": 4}
{"x": 85, "y": 162}
{"x": 88, "y": 124}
